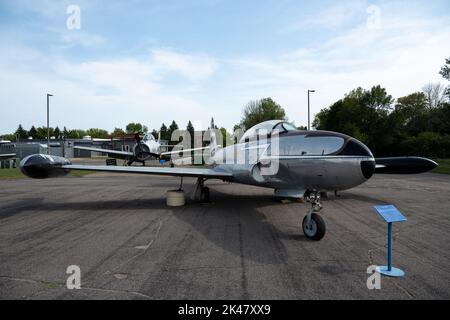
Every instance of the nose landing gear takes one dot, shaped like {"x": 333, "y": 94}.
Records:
{"x": 313, "y": 225}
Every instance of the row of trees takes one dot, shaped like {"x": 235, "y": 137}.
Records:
{"x": 131, "y": 128}
{"x": 57, "y": 133}
{"x": 41, "y": 133}
{"x": 416, "y": 124}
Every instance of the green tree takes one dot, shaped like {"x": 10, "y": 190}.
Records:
{"x": 237, "y": 127}
{"x": 76, "y": 134}
{"x": 261, "y": 110}
{"x": 227, "y": 138}
{"x": 440, "y": 119}
{"x": 21, "y": 133}
{"x": 41, "y": 133}
{"x": 377, "y": 98}
{"x": 173, "y": 126}
{"x": 190, "y": 128}
{"x": 33, "y": 132}
{"x": 445, "y": 70}
{"x": 134, "y": 127}
{"x": 10, "y": 137}
{"x": 57, "y": 133}
{"x": 363, "y": 114}
{"x": 412, "y": 112}
{"x": 97, "y": 133}
{"x": 155, "y": 134}
{"x": 445, "y": 73}
{"x": 164, "y": 133}
{"x": 118, "y": 132}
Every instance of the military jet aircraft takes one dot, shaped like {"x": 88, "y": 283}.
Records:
{"x": 306, "y": 163}
{"x": 144, "y": 149}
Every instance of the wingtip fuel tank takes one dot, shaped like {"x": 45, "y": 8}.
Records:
{"x": 42, "y": 166}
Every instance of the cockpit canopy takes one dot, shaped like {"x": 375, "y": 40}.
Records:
{"x": 149, "y": 137}
{"x": 267, "y": 127}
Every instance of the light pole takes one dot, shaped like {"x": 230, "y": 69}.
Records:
{"x": 48, "y": 123}
{"x": 309, "y": 121}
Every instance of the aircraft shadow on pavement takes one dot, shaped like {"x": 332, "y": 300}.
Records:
{"x": 233, "y": 222}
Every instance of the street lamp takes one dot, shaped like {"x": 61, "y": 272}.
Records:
{"x": 48, "y": 123}
{"x": 309, "y": 121}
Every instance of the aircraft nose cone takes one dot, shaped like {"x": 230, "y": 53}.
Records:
{"x": 367, "y": 168}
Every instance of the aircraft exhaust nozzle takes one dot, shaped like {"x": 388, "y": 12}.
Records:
{"x": 42, "y": 166}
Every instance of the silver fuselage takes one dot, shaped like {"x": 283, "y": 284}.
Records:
{"x": 313, "y": 160}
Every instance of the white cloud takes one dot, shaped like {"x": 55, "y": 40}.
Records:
{"x": 402, "y": 56}
{"x": 70, "y": 38}
{"x": 193, "y": 67}
{"x": 331, "y": 17}
{"x": 105, "y": 93}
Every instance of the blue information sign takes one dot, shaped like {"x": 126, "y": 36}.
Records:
{"x": 390, "y": 213}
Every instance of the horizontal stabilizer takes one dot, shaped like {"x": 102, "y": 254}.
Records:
{"x": 111, "y": 153}
{"x": 404, "y": 165}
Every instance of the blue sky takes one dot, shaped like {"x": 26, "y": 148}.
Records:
{"x": 154, "y": 61}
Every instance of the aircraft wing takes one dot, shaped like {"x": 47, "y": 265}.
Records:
{"x": 161, "y": 171}
{"x": 41, "y": 166}
{"x": 7, "y": 156}
{"x": 111, "y": 153}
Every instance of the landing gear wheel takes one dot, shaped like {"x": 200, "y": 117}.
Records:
{"x": 315, "y": 229}
{"x": 204, "y": 197}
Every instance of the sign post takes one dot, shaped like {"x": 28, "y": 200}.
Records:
{"x": 390, "y": 214}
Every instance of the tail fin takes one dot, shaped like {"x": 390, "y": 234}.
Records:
{"x": 213, "y": 146}
{"x": 159, "y": 136}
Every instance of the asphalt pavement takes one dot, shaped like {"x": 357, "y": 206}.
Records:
{"x": 243, "y": 245}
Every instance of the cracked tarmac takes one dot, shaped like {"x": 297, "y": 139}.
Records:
{"x": 243, "y": 245}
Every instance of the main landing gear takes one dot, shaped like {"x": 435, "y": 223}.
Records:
{"x": 313, "y": 224}
{"x": 201, "y": 192}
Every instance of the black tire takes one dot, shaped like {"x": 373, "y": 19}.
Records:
{"x": 205, "y": 195}
{"x": 318, "y": 231}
